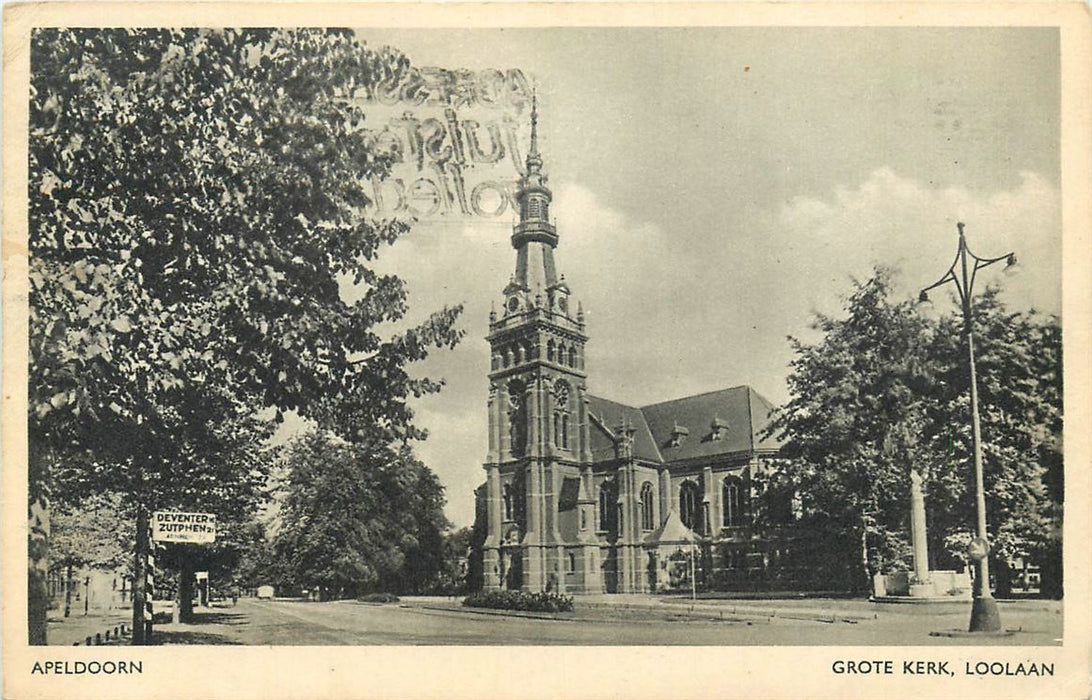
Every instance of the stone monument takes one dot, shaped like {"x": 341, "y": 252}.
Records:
{"x": 920, "y": 585}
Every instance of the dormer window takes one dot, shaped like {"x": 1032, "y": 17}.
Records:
{"x": 718, "y": 428}
{"x": 678, "y": 434}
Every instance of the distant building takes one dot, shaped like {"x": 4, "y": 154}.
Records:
{"x": 586, "y": 495}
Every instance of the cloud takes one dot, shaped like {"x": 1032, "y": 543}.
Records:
{"x": 890, "y": 219}
{"x": 674, "y": 312}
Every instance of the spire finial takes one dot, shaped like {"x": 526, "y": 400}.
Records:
{"x": 534, "y": 121}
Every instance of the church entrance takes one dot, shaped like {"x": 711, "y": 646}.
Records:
{"x": 511, "y": 573}
{"x": 653, "y": 562}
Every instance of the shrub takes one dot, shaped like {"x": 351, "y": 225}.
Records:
{"x": 378, "y": 598}
{"x": 520, "y": 600}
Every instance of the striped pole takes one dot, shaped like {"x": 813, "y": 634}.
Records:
{"x": 149, "y": 587}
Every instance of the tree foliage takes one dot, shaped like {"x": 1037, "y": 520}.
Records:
{"x": 852, "y": 423}
{"x": 1019, "y": 367}
{"x": 196, "y": 203}
{"x": 92, "y": 533}
{"x": 200, "y": 261}
{"x": 357, "y": 518}
{"x": 885, "y": 391}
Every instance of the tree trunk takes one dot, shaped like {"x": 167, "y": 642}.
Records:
{"x": 37, "y": 572}
{"x": 185, "y": 591}
{"x": 866, "y": 567}
{"x": 1003, "y": 574}
{"x": 68, "y": 591}
{"x": 37, "y": 544}
{"x": 1050, "y": 572}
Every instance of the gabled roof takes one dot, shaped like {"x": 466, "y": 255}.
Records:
{"x": 610, "y": 415}
{"x": 736, "y": 416}
{"x": 740, "y": 411}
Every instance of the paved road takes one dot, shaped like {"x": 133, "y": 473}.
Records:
{"x": 254, "y": 622}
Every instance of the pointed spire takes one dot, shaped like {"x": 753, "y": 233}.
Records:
{"x": 534, "y": 122}
{"x": 534, "y": 159}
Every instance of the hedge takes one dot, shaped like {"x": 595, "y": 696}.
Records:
{"x": 520, "y": 600}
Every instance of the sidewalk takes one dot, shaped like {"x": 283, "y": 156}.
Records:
{"x": 647, "y": 608}
{"x": 615, "y": 606}
{"x": 602, "y": 614}
{"x": 66, "y": 631}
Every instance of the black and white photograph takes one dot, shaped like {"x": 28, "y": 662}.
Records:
{"x": 544, "y": 334}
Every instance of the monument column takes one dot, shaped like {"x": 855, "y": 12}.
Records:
{"x": 922, "y": 584}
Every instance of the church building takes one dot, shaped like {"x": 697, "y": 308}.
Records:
{"x": 587, "y": 495}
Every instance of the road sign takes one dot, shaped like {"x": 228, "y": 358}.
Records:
{"x": 978, "y": 548}
{"x": 171, "y": 526}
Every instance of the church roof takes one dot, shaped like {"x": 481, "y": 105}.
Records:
{"x": 706, "y": 425}
{"x": 609, "y": 414}
{"x": 740, "y": 413}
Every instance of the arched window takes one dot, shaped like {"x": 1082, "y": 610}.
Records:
{"x": 732, "y": 492}
{"x": 561, "y": 414}
{"x": 688, "y": 505}
{"x": 519, "y": 354}
{"x": 550, "y": 351}
{"x": 508, "y": 357}
{"x": 647, "y": 522}
{"x": 517, "y": 418}
{"x": 607, "y": 506}
{"x": 572, "y": 357}
{"x": 509, "y": 503}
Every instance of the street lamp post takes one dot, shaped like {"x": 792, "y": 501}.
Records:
{"x": 985, "y": 616}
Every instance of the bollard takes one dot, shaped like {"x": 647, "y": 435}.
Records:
{"x": 98, "y": 638}
{"x": 107, "y": 636}
{"x": 89, "y": 641}
{"x": 123, "y": 630}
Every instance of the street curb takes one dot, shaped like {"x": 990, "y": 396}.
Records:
{"x": 820, "y": 615}
{"x": 543, "y": 616}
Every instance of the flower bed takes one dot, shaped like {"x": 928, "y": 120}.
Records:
{"x": 519, "y": 600}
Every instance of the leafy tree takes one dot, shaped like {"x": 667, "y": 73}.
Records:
{"x": 258, "y": 563}
{"x": 884, "y": 391}
{"x": 357, "y": 518}
{"x": 851, "y": 428}
{"x": 1019, "y": 368}
{"x": 89, "y": 534}
{"x": 454, "y": 575}
{"x": 197, "y": 204}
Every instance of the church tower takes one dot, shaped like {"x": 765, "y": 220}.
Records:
{"x": 540, "y": 509}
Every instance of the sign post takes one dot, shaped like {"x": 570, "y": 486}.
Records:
{"x": 176, "y": 527}
{"x": 172, "y": 526}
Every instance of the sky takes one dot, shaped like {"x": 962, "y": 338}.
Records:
{"x": 714, "y": 188}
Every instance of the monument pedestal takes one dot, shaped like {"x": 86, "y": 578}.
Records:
{"x": 923, "y": 590}
{"x": 941, "y": 587}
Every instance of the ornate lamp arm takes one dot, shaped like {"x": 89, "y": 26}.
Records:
{"x": 965, "y": 287}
